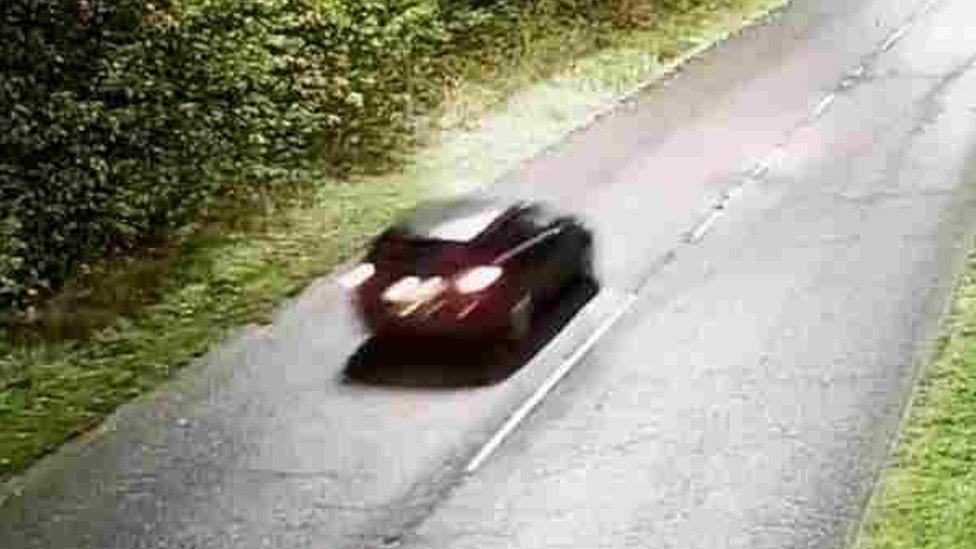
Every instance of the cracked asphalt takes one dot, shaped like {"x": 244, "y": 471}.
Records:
{"x": 783, "y": 218}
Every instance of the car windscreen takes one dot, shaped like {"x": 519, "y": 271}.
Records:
{"x": 455, "y": 223}
{"x": 395, "y": 253}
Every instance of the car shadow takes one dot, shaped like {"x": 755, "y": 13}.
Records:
{"x": 461, "y": 362}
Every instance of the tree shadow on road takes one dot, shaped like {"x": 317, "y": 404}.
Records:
{"x": 461, "y": 362}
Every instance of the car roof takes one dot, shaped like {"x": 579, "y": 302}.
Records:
{"x": 456, "y": 219}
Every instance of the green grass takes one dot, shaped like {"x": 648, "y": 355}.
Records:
{"x": 127, "y": 324}
{"x": 614, "y": 62}
{"x": 229, "y": 274}
{"x": 927, "y": 498}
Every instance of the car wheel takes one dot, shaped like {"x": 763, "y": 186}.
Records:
{"x": 520, "y": 319}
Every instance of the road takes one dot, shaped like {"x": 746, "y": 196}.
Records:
{"x": 778, "y": 226}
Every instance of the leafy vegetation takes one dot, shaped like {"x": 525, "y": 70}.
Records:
{"x": 228, "y": 274}
{"x": 121, "y": 129}
{"x": 927, "y": 499}
{"x": 127, "y": 120}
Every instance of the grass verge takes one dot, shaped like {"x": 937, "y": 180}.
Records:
{"x": 128, "y": 324}
{"x": 927, "y": 498}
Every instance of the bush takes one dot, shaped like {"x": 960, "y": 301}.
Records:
{"x": 369, "y": 67}
{"x": 123, "y": 120}
{"x": 118, "y": 130}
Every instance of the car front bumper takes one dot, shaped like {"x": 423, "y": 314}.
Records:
{"x": 448, "y": 315}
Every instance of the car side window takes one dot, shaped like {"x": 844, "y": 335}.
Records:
{"x": 536, "y": 219}
{"x": 526, "y": 224}
{"x": 515, "y": 231}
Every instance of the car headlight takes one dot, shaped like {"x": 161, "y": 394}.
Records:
{"x": 412, "y": 288}
{"x": 477, "y": 279}
{"x": 402, "y": 290}
{"x": 355, "y": 277}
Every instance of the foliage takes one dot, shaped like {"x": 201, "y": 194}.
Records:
{"x": 117, "y": 130}
{"x": 125, "y": 119}
{"x": 223, "y": 276}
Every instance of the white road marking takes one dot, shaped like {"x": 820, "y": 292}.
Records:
{"x": 900, "y": 31}
{"x": 767, "y": 162}
{"x": 699, "y": 231}
{"x": 555, "y": 377}
{"x": 895, "y": 36}
{"x": 823, "y": 105}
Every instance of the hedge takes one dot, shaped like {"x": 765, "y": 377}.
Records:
{"x": 123, "y": 120}
{"x": 114, "y": 130}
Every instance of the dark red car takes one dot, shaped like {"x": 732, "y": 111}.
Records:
{"x": 469, "y": 266}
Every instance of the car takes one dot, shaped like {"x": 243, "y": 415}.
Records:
{"x": 469, "y": 266}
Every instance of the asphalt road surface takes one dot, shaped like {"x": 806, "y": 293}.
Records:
{"x": 778, "y": 226}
